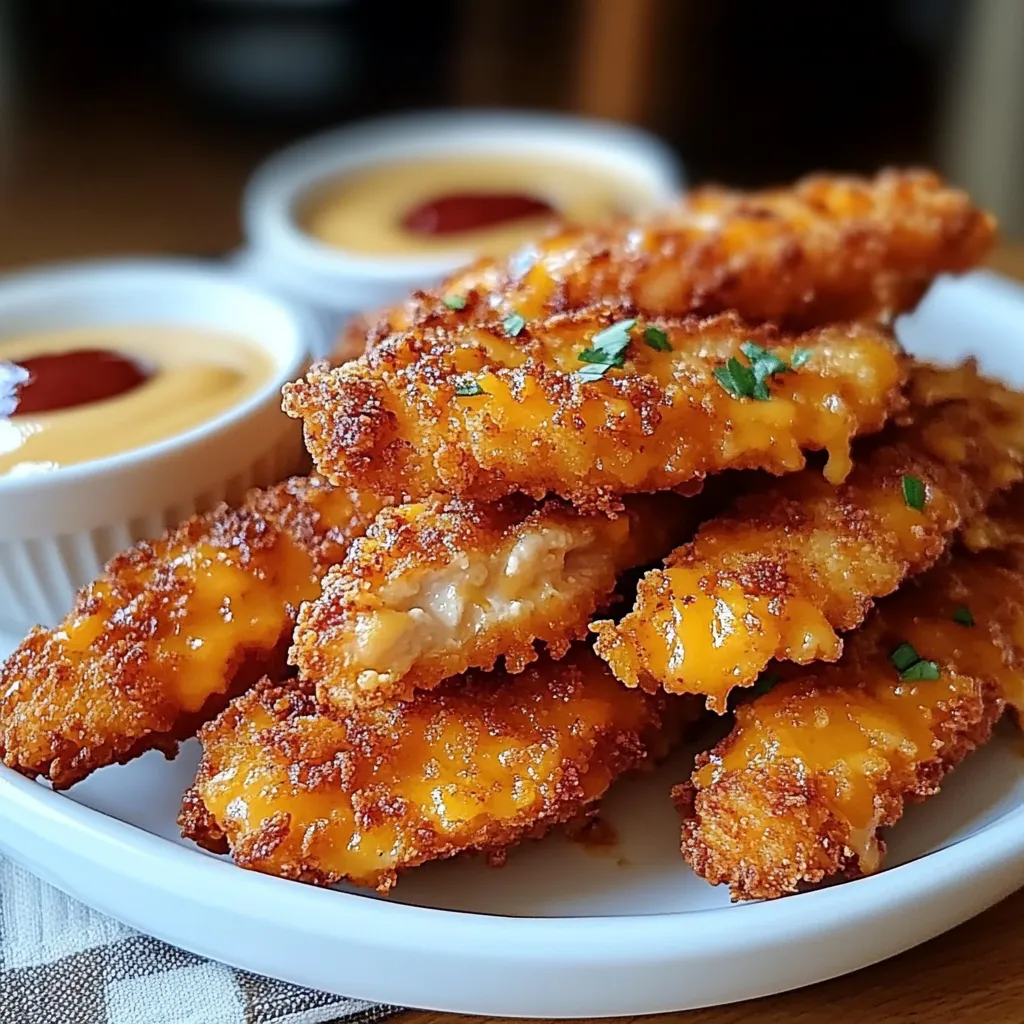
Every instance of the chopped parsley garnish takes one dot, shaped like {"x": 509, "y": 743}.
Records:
{"x": 592, "y": 372}
{"x": 766, "y": 681}
{"x": 455, "y": 301}
{"x": 588, "y": 355}
{"x": 751, "y": 381}
{"x": 913, "y": 492}
{"x": 607, "y": 349}
{"x": 613, "y": 341}
{"x": 963, "y": 616}
{"x": 657, "y": 339}
{"x": 903, "y": 657}
{"x": 911, "y": 666}
{"x": 920, "y": 672}
{"x": 513, "y": 324}
{"x": 800, "y": 356}
{"x": 468, "y": 389}
{"x": 737, "y": 379}
{"x": 764, "y": 363}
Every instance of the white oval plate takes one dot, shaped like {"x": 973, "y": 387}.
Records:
{"x": 561, "y": 931}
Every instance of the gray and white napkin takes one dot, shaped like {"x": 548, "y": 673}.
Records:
{"x": 62, "y": 963}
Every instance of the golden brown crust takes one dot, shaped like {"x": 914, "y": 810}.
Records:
{"x": 813, "y": 769}
{"x": 433, "y": 590}
{"x": 795, "y": 563}
{"x": 394, "y": 421}
{"x": 172, "y": 630}
{"x": 827, "y": 248}
{"x": 478, "y": 764}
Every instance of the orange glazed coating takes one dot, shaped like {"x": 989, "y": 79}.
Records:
{"x": 825, "y": 249}
{"x": 478, "y": 764}
{"x": 395, "y": 421}
{"x": 790, "y": 566}
{"x": 171, "y": 631}
{"x": 435, "y": 589}
{"x": 814, "y": 768}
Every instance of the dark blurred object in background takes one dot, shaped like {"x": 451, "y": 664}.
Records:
{"x": 166, "y": 106}
{"x": 300, "y": 62}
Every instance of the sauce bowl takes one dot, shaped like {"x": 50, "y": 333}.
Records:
{"x": 60, "y": 526}
{"x": 335, "y": 283}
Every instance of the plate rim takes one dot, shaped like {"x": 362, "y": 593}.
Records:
{"x": 998, "y": 842}
{"x": 460, "y": 961}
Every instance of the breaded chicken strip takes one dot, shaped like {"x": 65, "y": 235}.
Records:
{"x": 795, "y": 563}
{"x": 172, "y": 630}
{"x": 592, "y": 406}
{"x": 814, "y": 768}
{"x": 826, "y": 249}
{"x": 435, "y": 589}
{"x": 478, "y": 764}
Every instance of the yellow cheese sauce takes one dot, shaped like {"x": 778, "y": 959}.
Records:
{"x": 859, "y": 737}
{"x": 364, "y": 212}
{"x": 192, "y": 376}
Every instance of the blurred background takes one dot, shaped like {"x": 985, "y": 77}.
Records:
{"x": 131, "y": 127}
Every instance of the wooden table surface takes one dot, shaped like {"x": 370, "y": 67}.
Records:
{"x": 124, "y": 188}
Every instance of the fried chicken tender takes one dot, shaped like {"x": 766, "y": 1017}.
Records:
{"x": 813, "y": 769}
{"x": 795, "y": 563}
{"x": 435, "y": 589}
{"x": 480, "y": 414}
{"x": 478, "y": 764}
{"x": 825, "y": 249}
{"x": 172, "y": 630}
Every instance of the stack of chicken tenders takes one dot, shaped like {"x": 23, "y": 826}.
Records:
{"x": 565, "y": 506}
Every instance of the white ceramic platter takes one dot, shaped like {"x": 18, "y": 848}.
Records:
{"x": 561, "y": 930}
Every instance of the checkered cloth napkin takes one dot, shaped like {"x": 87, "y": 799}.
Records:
{"x": 62, "y": 963}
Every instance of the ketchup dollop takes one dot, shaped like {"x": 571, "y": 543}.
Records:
{"x": 470, "y": 211}
{"x": 63, "y": 380}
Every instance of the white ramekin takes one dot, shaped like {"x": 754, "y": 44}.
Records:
{"x": 334, "y": 283}
{"x": 57, "y": 529}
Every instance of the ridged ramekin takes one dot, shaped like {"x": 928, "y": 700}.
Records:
{"x": 334, "y": 283}
{"x": 58, "y": 529}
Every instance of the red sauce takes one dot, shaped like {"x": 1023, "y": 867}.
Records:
{"x": 63, "y": 380}
{"x": 469, "y": 211}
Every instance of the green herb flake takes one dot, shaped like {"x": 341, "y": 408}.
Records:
{"x": 766, "y": 682}
{"x": 911, "y": 666}
{"x": 751, "y": 381}
{"x": 468, "y": 389}
{"x": 913, "y": 492}
{"x": 920, "y": 672}
{"x": 595, "y": 371}
{"x": 513, "y": 324}
{"x": 455, "y": 301}
{"x": 903, "y": 657}
{"x": 737, "y": 379}
{"x": 963, "y": 616}
{"x": 800, "y": 357}
{"x": 763, "y": 362}
{"x": 613, "y": 341}
{"x": 588, "y": 355}
{"x": 608, "y": 349}
{"x": 657, "y": 339}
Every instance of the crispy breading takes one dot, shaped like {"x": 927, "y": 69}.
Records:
{"x": 813, "y": 769}
{"x": 406, "y": 419}
{"x": 171, "y": 631}
{"x": 479, "y": 764}
{"x": 825, "y": 249}
{"x": 997, "y": 527}
{"x": 435, "y": 589}
{"x": 796, "y": 562}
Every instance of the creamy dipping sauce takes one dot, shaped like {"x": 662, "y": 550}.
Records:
{"x": 91, "y": 392}
{"x": 488, "y": 205}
